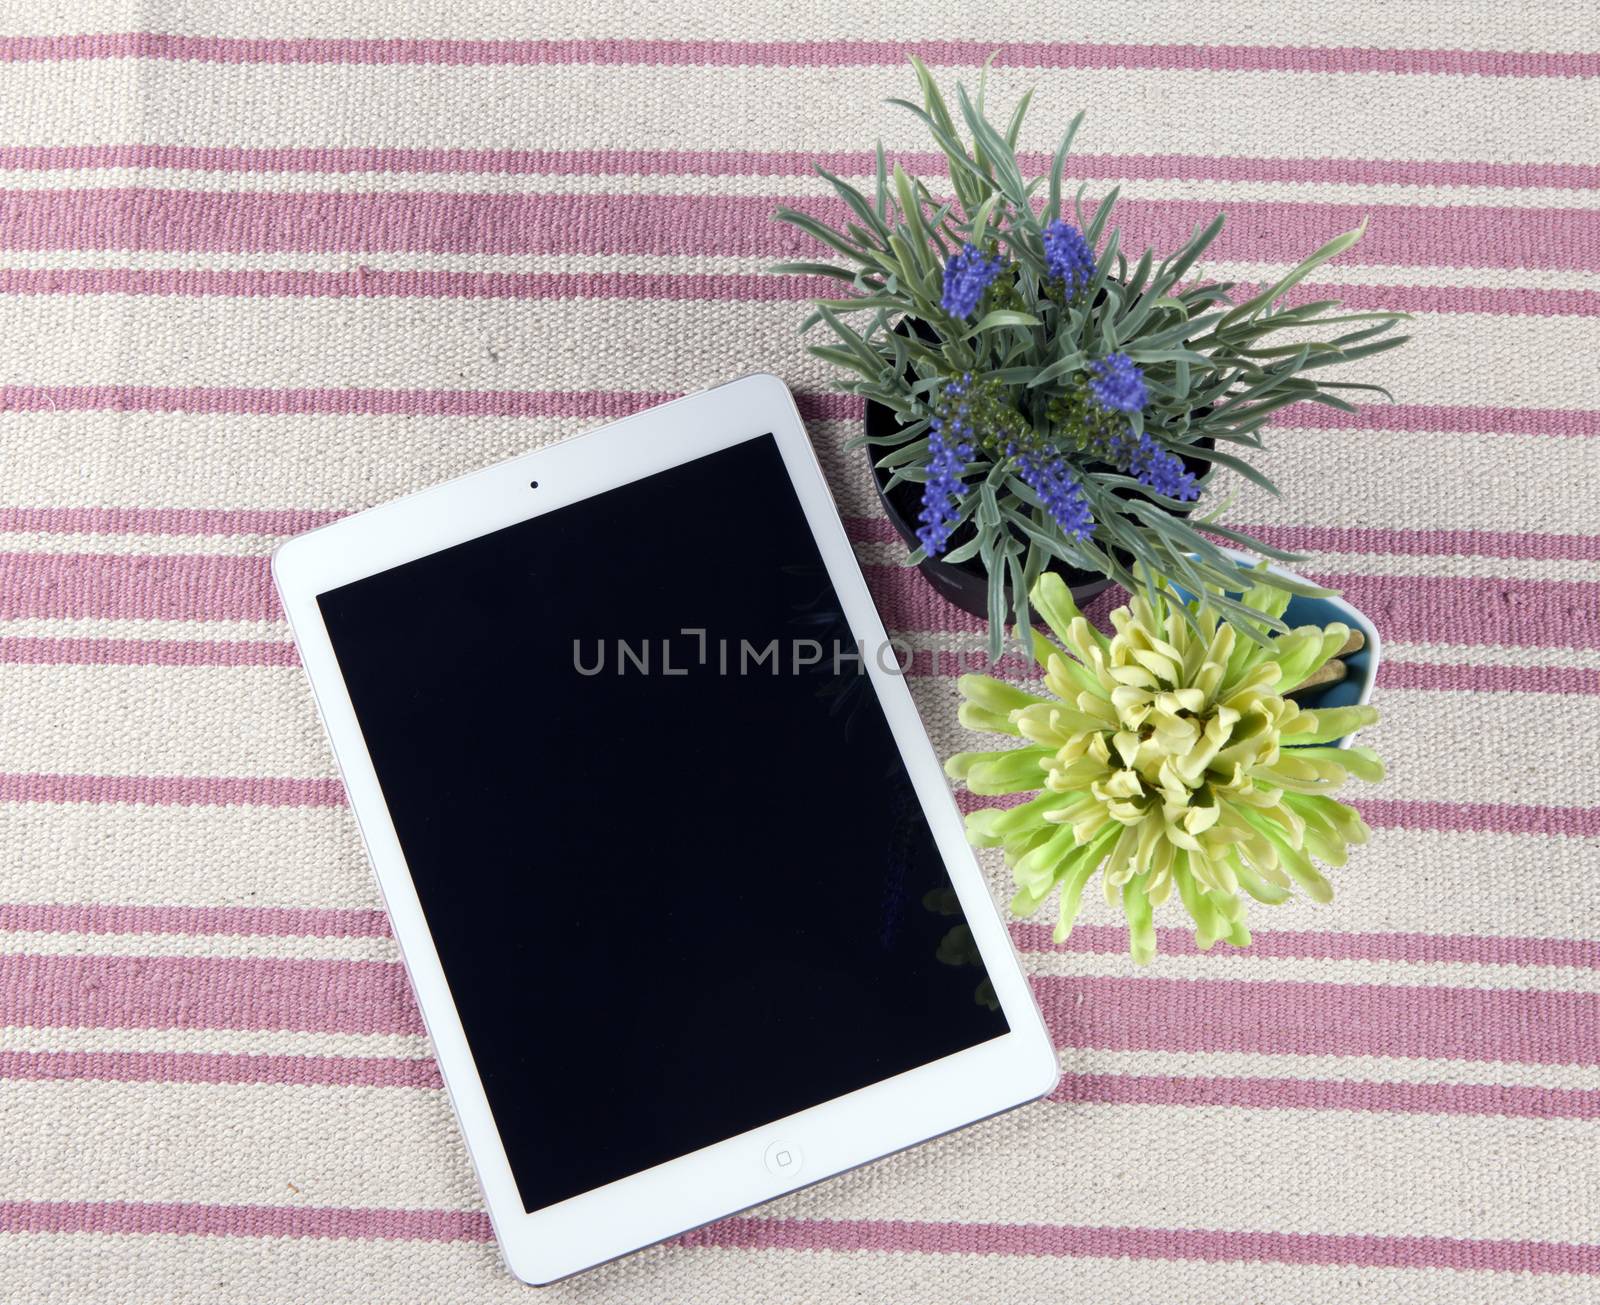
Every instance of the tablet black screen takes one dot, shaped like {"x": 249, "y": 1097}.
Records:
{"x": 680, "y": 887}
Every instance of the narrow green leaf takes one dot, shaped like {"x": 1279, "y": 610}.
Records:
{"x": 814, "y": 269}
{"x": 1014, "y": 129}
{"x": 999, "y": 317}
{"x": 1058, "y": 166}
{"x": 1295, "y": 275}
{"x": 825, "y": 234}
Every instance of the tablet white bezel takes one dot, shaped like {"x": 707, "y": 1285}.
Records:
{"x": 731, "y": 1175}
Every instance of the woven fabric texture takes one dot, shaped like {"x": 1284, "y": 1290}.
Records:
{"x": 261, "y": 265}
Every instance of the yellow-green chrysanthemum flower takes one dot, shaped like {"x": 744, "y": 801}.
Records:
{"x": 1169, "y": 757}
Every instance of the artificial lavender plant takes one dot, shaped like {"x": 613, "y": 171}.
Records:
{"x": 1059, "y": 404}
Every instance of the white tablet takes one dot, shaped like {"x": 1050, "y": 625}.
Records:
{"x": 675, "y": 871}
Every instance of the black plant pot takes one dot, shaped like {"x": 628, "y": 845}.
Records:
{"x": 966, "y": 584}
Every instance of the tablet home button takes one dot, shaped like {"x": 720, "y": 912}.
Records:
{"x": 782, "y": 1158}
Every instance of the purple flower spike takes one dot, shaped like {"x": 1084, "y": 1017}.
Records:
{"x": 1153, "y": 466}
{"x": 1053, "y": 481}
{"x": 949, "y": 451}
{"x": 1118, "y": 386}
{"x": 966, "y": 276}
{"x": 1067, "y": 256}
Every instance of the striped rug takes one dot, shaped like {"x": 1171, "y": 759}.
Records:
{"x": 262, "y": 265}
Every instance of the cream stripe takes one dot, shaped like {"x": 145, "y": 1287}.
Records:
{"x": 185, "y": 856}
{"x": 796, "y": 185}
{"x": 1532, "y": 120}
{"x": 152, "y": 260}
{"x": 236, "y": 1143}
{"x": 870, "y": 553}
{"x": 1416, "y": 881}
{"x": 1464, "y": 24}
{"x": 1520, "y": 483}
{"x": 892, "y": 553}
{"x": 521, "y": 344}
{"x": 165, "y": 1270}
{"x": 1346, "y": 272}
{"x": 140, "y": 719}
{"x": 1451, "y": 653}
{"x": 147, "y": 459}
{"x": 1161, "y": 1064}
{"x": 138, "y": 545}
{"x": 26, "y": 942}
{"x": 120, "y": 720}
{"x": 91, "y": 628}
{"x": 1411, "y": 739}
{"x": 1436, "y": 654}
{"x": 1352, "y": 1173}
{"x": 1423, "y": 881}
{"x": 1500, "y": 482}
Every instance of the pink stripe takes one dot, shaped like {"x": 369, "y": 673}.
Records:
{"x": 1469, "y": 610}
{"x": 180, "y": 790}
{"x": 28, "y": 651}
{"x": 620, "y": 403}
{"x": 1431, "y": 543}
{"x": 164, "y": 521}
{"x": 1410, "y": 609}
{"x": 1118, "y": 1014}
{"x": 711, "y": 287}
{"x": 784, "y": 163}
{"x": 1275, "y": 231}
{"x": 330, "y": 922}
{"x": 142, "y": 1218}
{"x": 1330, "y": 539}
{"x": 222, "y": 652}
{"x": 1446, "y": 817}
{"x": 1488, "y": 679}
{"x": 1387, "y": 813}
{"x": 1509, "y": 301}
{"x": 161, "y": 587}
{"x": 1305, "y": 944}
{"x": 1357, "y": 1249}
{"x": 1074, "y": 1089}
{"x": 172, "y": 992}
{"x": 1329, "y": 1094}
{"x": 1391, "y": 675}
{"x": 212, "y": 587}
{"x": 274, "y": 921}
{"x": 1480, "y": 817}
{"x": 1276, "y": 1016}
{"x": 1531, "y": 544}
{"x": 128, "y": 1218}
{"x": 1452, "y": 418}
{"x": 804, "y": 54}
{"x": 195, "y": 1067}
